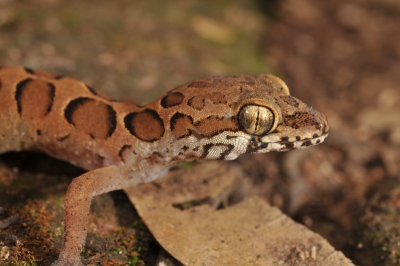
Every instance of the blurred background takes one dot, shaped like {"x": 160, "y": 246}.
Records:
{"x": 341, "y": 57}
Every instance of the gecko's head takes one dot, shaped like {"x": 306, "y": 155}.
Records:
{"x": 223, "y": 117}
{"x": 273, "y": 120}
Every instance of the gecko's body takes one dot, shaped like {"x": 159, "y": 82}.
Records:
{"x": 122, "y": 144}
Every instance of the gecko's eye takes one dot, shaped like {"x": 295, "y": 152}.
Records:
{"x": 257, "y": 120}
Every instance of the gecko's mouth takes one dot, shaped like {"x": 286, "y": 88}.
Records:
{"x": 298, "y": 144}
{"x": 258, "y": 146}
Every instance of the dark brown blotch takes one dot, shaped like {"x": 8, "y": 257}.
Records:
{"x": 181, "y": 125}
{"x": 172, "y": 99}
{"x": 218, "y": 98}
{"x": 93, "y": 117}
{"x": 214, "y": 125}
{"x": 197, "y": 102}
{"x": 145, "y": 125}
{"x": 34, "y": 98}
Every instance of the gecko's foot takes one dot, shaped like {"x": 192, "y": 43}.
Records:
{"x": 7, "y": 222}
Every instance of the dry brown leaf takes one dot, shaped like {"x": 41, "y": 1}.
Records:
{"x": 247, "y": 233}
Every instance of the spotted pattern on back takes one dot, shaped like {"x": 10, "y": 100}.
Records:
{"x": 181, "y": 125}
{"x": 145, "y": 125}
{"x": 93, "y": 117}
{"x": 172, "y": 99}
{"x": 218, "y": 98}
{"x": 34, "y": 98}
{"x": 197, "y": 102}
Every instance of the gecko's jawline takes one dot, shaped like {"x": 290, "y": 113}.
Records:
{"x": 262, "y": 147}
{"x": 299, "y": 144}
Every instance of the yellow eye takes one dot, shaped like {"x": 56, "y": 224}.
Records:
{"x": 257, "y": 120}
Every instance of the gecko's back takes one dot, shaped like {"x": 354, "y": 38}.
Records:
{"x": 59, "y": 116}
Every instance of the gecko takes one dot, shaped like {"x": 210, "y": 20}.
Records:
{"x": 121, "y": 144}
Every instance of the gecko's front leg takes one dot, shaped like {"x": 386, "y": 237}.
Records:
{"x": 77, "y": 208}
